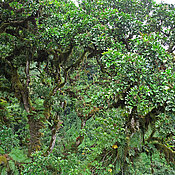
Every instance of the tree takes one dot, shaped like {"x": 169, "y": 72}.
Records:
{"x": 118, "y": 55}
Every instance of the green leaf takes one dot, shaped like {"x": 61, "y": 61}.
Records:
{"x": 19, "y": 156}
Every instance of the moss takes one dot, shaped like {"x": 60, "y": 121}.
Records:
{"x": 34, "y": 126}
{"x": 16, "y": 84}
{"x": 3, "y": 160}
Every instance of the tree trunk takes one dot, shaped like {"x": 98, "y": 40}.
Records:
{"x": 34, "y": 126}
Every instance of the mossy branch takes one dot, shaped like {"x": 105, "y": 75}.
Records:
{"x": 169, "y": 154}
{"x": 120, "y": 99}
{"x": 151, "y": 117}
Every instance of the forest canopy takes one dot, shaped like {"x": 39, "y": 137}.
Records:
{"x": 87, "y": 89}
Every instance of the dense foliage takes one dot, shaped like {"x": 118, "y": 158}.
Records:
{"x": 87, "y": 89}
